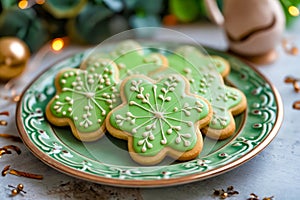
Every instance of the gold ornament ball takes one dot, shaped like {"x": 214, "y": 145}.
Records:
{"x": 14, "y": 54}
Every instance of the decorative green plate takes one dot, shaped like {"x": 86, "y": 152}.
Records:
{"x": 107, "y": 161}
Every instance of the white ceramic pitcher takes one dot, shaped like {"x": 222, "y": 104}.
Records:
{"x": 252, "y": 27}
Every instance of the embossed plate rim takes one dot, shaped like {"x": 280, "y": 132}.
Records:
{"x": 152, "y": 182}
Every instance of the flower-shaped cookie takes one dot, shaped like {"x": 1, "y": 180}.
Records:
{"x": 207, "y": 82}
{"x": 84, "y": 98}
{"x": 159, "y": 118}
{"x": 132, "y": 58}
{"x": 216, "y": 62}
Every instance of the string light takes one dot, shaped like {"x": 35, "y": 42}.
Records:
{"x": 23, "y": 4}
{"x": 57, "y": 44}
{"x": 294, "y": 11}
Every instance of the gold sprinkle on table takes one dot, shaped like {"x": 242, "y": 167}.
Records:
{"x": 13, "y": 98}
{"x": 4, "y": 113}
{"x": 296, "y": 105}
{"x": 294, "y": 81}
{"x": 17, "y": 190}
{"x": 289, "y": 47}
{"x": 6, "y": 150}
{"x": 256, "y": 197}
{"x": 222, "y": 194}
{"x": 3, "y": 123}
{"x": 13, "y": 137}
{"x": 7, "y": 170}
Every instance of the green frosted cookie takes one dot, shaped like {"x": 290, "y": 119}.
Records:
{"x": 131, "y": 58}
{"x": 206, "y": 82}
{"x": 84, "y": 98}
{"x": 220, "y": 64}
{"x": 159, "y": 118}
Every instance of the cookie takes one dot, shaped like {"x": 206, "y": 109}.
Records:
{"x": 131, "y": 58}
{"x": 159, "y": 118}
{"x": 205, "y": 81}
{"x": 84, "y": 98}
{"x": 216, "y": 62}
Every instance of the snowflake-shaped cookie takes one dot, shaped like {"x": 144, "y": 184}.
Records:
{"x": 84, "y": 98}
{"x": 132, "y": 58}
{"x": 159, "y": 118}
{"x": 207, "y": 82}
{"x": 211, "y": 62}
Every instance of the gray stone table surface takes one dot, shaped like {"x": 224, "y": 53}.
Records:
{"x": 273, "y": 172}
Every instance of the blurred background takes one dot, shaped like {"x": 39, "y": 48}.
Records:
{"x": 37, "y": 22}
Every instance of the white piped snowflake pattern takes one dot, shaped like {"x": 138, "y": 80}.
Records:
{"x": 86, "y": 96}
{"x": 160, "y": 114}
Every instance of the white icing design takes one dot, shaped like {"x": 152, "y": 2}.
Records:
{"x": 158, "y": 115}
{"x": 121, "y": 66}
{"x": 153, "y": 58}
{"x": 228, "y": 95}
{"x": 125, "y": 47}
{"x": 205, "y": 83}
{"x": 91, "y": 86}
{"x": 218, "y": 119}
{"x": 188, "y": 75}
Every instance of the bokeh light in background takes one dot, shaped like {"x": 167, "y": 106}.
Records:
{"x": 57, "y": 44}
{"x": 23, "y": 4}
{"x": 294, "y": 11}
{"x": 50, "y": 19}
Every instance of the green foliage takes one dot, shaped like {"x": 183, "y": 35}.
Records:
{"x": 285, "y": 5}
{"x": 58, "y": 18}
{"x": 185, "y": 11}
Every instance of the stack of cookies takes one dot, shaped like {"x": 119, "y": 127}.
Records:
{"x": 161, "y": 102}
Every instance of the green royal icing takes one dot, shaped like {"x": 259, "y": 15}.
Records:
{"x": 159, "y": 115}
{"x": 131, "y": 58}
{"x": 86, "y": 96}
{"x": 127, "y": 46}
{"x": 204, "y": 82}
{"x": 217, "y": 62}
{"x": 134, "y": 63}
